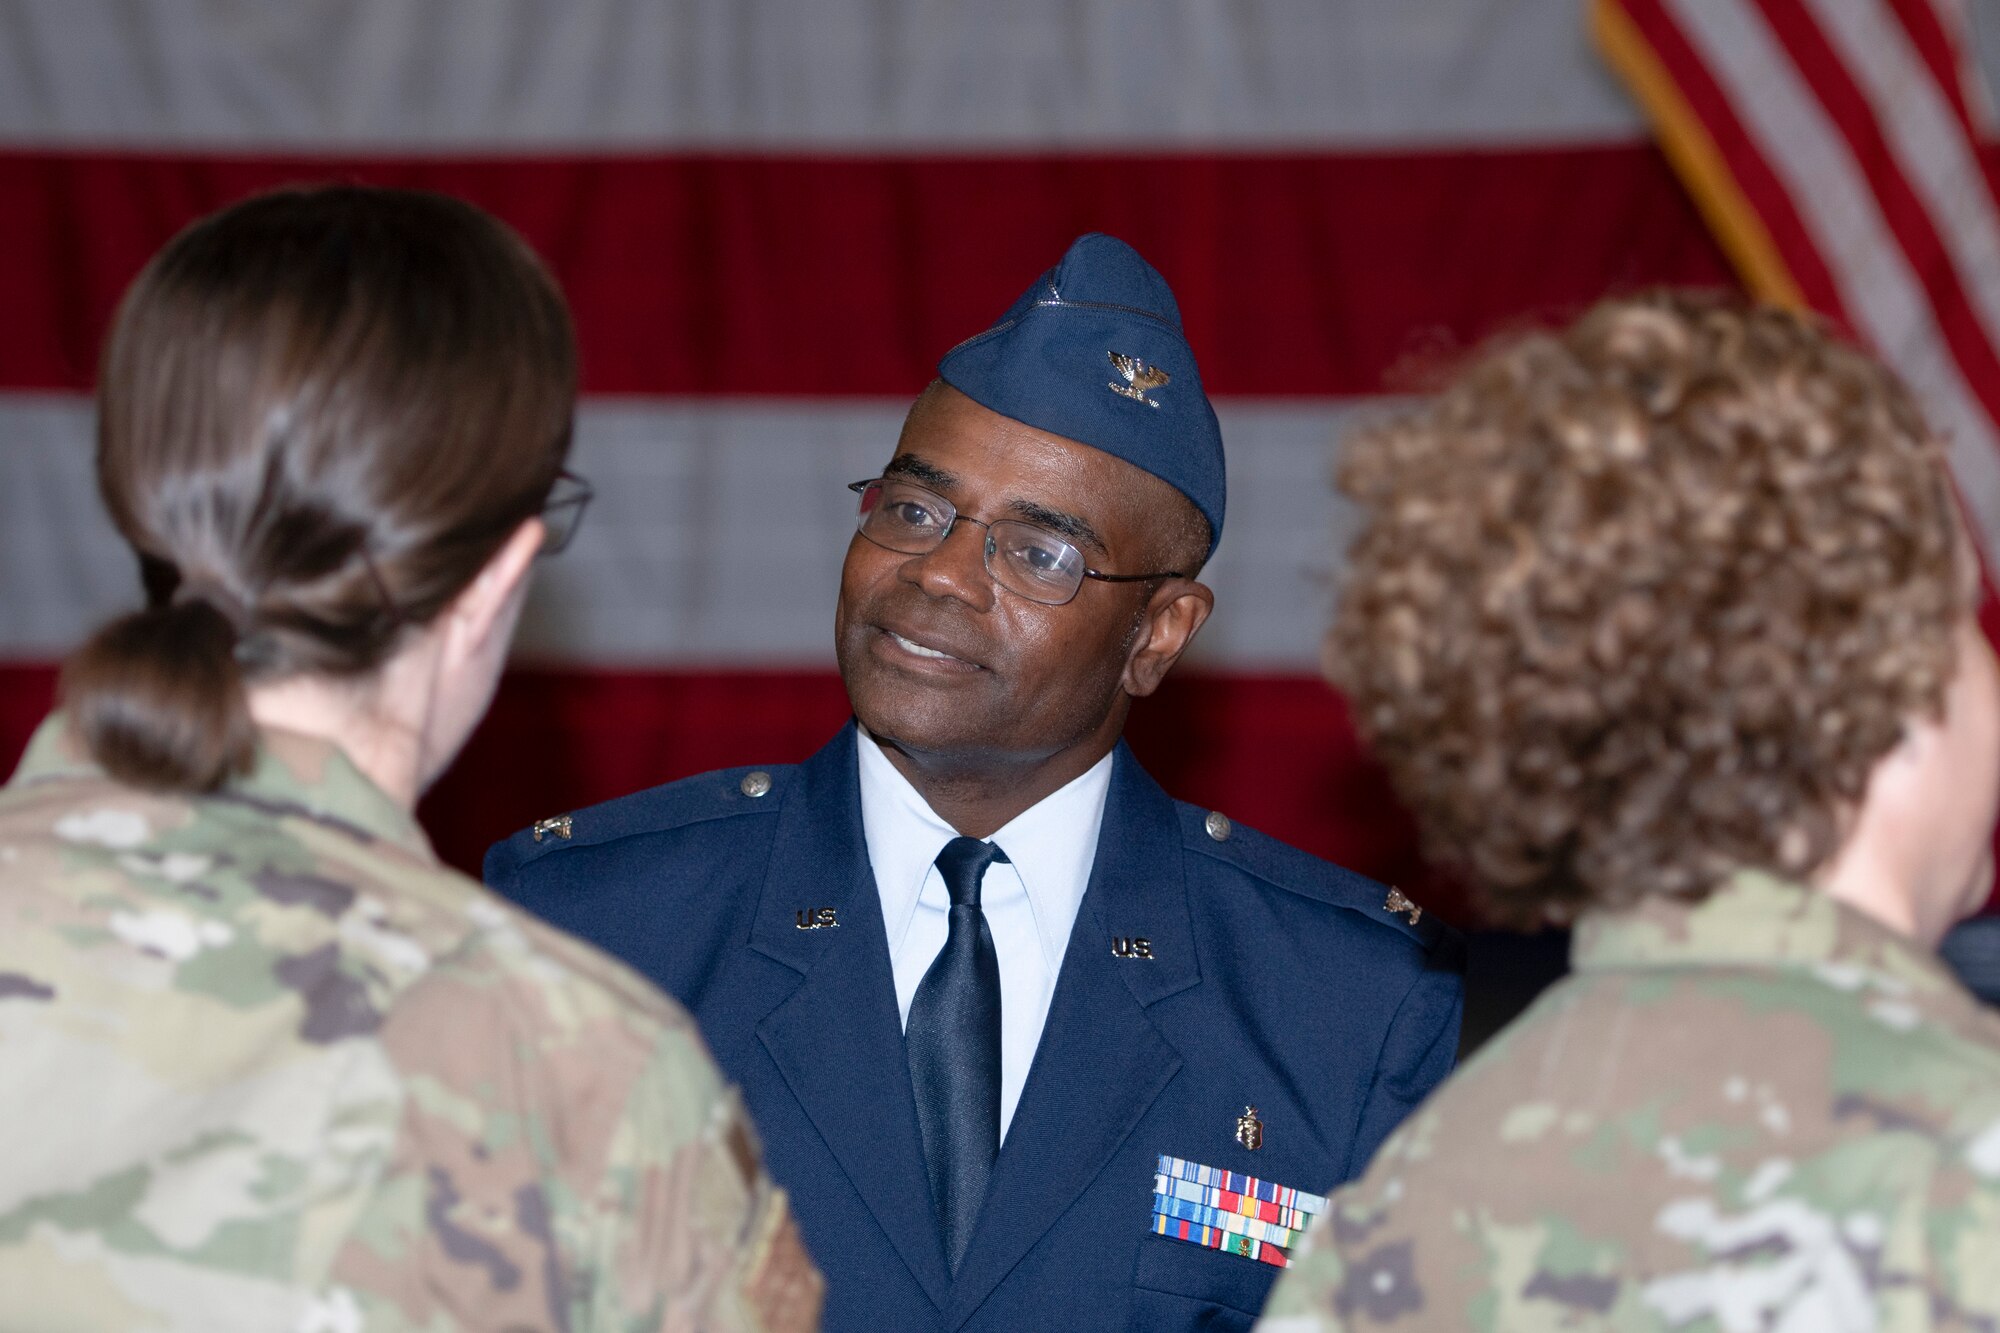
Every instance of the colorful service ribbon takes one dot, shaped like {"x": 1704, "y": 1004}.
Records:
{"x": 1229, "y": 1211}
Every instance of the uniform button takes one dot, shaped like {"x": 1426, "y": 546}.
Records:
{"x": 1217, "y": 825}
{"x": 755, "y": 784}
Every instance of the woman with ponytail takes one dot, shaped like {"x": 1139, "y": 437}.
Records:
{"x": 265, "y": 1063}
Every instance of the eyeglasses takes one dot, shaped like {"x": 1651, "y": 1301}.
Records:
{"x": 562, "y": 512}
{"x": 1026, "y": 560}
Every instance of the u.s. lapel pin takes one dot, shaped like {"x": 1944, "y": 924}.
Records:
{"x": 1398, "y": 901}
{"x": 1249, "y": 1129}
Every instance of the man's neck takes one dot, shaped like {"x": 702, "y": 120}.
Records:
{"x": 979, "y": 797}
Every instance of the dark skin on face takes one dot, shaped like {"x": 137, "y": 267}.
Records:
{"x": 1024, "y": 697}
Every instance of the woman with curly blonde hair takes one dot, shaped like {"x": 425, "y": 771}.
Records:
{"x": 1663, "y": 626}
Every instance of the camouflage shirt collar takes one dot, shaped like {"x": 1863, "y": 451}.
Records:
{"x": 294, "y": 775}
{"x": 1757, "y": 919}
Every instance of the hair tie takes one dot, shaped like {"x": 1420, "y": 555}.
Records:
{"x": 251, "y": 649}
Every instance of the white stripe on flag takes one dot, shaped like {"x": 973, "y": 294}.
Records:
{"x": 437, "y": 75}
{"x": 716, "y": 535}
{"x": 1882, "y": 292}
{"x": 1978, "y": 51}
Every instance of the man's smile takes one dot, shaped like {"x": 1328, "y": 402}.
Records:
{"x": 925, "y": 647}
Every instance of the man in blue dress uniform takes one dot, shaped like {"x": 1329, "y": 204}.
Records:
{"x": 1032, "y": 1045}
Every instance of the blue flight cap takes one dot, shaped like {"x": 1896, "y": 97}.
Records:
{"x": 1093, "y": 351}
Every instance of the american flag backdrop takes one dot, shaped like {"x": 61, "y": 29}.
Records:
{"x": 771, "y": 218}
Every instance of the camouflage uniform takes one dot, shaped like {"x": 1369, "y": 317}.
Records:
{"x": 265, "y": 1064}
{"x": 1765, "y": 1112}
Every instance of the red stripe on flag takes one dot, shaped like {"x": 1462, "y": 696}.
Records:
{"x": 1908, "y": 219}
{"x": 1306, "y": 275}
{"x": 1754, "y": 177}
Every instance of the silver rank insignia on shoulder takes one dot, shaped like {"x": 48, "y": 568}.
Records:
{"x": 1139, "y": 377}
{"x": 556, "y": 826}
{"x": 1398, "y": 901}
{"x": 1249, "y": 1129}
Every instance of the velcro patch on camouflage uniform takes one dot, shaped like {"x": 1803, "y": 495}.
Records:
{"x": 1229, "y": 1211}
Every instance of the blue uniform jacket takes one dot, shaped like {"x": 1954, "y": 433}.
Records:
{"x": 1275, "y": 980}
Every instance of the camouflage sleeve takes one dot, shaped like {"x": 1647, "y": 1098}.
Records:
{"x": 1357, "y": 1264}
{"x": 1917, "y": 1254}
{"x": 1303, "y": 1299}
{"x": 700, "y": 1230}
{"x": 567, "y": 1157}
{"x": 1961, "y": 1220}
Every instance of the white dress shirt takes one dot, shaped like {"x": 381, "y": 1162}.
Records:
{"x": 1030, "y": 900}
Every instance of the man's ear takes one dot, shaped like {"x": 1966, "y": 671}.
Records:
{"x": 1174, "y": 613}
{"x": 486, "y": 605}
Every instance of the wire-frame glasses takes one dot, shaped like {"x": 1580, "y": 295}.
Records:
{"x": 1024, "y": 558}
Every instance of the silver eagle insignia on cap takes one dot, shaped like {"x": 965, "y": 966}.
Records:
{"x": 1139, "y": 377}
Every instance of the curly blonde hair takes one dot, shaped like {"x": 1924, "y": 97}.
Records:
{"x": 1642, "y": 602}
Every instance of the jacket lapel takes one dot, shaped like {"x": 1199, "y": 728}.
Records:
{"x": 1101, "y": 1062}
{"x": 837, "y": 1037}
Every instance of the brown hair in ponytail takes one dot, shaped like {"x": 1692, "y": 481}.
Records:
{"x": 321, "y": 413}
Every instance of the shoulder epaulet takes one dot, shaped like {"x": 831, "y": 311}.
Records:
{"x": 724, "y": 793}
{"x": 1213, "y": 834}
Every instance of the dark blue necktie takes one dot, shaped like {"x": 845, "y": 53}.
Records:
{"x": 953, "y": 1039}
